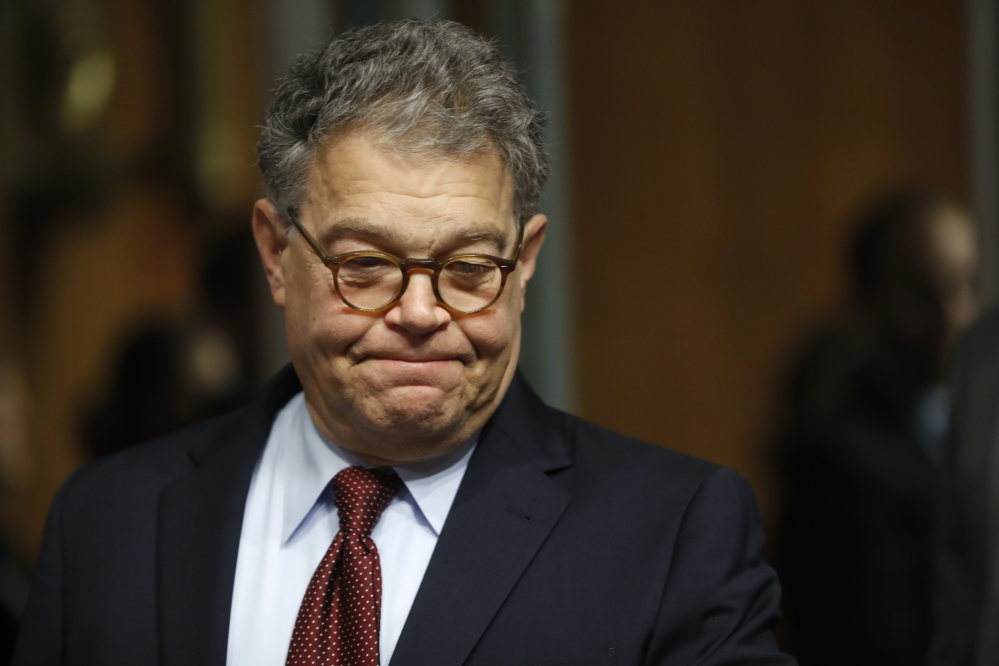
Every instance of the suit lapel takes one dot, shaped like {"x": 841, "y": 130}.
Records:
{"x": 199, "y": 522}
{"x": 503, "y": 512}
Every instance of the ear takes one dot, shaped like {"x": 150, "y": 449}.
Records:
{"x": 534, "y": 238}
{"x": 272, "y": 242}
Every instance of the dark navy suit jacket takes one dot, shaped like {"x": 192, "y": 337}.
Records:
{"x": 566, "y": 544}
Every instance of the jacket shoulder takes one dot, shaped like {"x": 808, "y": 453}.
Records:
{"x": 591, "y": 438}
{"x": 612, "y": 458}
{"x": 144, "y": 469}
{"x": 149, "y": 467}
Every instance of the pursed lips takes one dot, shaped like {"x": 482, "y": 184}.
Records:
{"x": 405, "y": 356}
{"x": 418, "y": 370}
{"x": 415, "y": 360}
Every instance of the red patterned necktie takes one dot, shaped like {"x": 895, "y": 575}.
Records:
{"x": 340, "y": 615}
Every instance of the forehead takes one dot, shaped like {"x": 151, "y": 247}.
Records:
{"x": 355, "y": 178}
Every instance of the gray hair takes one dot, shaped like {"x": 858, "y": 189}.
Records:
{"x": 418, "y": 87}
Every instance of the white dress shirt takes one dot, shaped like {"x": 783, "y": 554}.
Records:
{"x": 290, "y": 521}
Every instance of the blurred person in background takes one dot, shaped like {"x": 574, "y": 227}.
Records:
{"x": 172, "y": 372}
{"x": 867, "y": 419}
{"x": 966, "y": 551}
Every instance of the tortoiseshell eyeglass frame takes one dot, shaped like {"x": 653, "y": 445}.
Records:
{"x": 506, "y": 266}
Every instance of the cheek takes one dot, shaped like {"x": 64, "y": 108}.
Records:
{"x": 332, "y": 332}
{"x": 318, "y": 324}
{"x": 492, "y": 334}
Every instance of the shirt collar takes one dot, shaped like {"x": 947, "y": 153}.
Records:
{"x": 311, "y": 461}
{"x": 434, "y": 483}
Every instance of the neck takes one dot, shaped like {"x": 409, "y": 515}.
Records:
{"x": 386, "y": 448}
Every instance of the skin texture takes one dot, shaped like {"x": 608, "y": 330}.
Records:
{"x": 928, "y": 294}
{"x": 414, "y": 381}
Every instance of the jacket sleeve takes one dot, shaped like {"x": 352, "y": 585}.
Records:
{"x": 40, "y": 639}
{"x": 721, "y": 600}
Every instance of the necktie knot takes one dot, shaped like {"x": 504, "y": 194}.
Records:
{"x": 360, "y": 496}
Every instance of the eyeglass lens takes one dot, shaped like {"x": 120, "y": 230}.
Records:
{"x": 466, "y": 284}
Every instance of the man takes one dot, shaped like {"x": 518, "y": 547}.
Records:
{"x": 860, "y": 460}
{"x": 399, "y": 494}
{"x": 966, "y": 565}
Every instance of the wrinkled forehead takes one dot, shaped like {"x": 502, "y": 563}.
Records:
{"x": 363, "y": 169}
{"x": 360, "y": 189}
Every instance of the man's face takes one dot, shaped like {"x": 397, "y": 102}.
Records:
{"x": 416, "y": 380}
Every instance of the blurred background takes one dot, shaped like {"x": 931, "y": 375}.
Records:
{"x": 715, "y": 165}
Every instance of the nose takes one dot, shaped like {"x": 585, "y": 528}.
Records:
{"x": 418, "y": 310}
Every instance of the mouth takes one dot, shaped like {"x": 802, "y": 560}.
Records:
{"x": 414, "y": 360}
{"x": 417, "y": 370}
{"x": 412, "y": 365}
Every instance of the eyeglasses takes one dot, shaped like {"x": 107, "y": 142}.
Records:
{"x": 374, "y": 281}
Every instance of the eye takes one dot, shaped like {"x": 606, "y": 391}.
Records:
{"x": 369, "y": 262}
{"x": 469, "y": 273}
{"x": 468, "y": 268}
{"x": 366, "y": 269}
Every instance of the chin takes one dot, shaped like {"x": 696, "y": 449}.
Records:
{"x": 414, "y": 411}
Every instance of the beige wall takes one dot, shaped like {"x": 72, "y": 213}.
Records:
{"x": 718, "y": 151}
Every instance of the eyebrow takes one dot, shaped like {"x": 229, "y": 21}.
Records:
{"x": 355, "y": 227}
